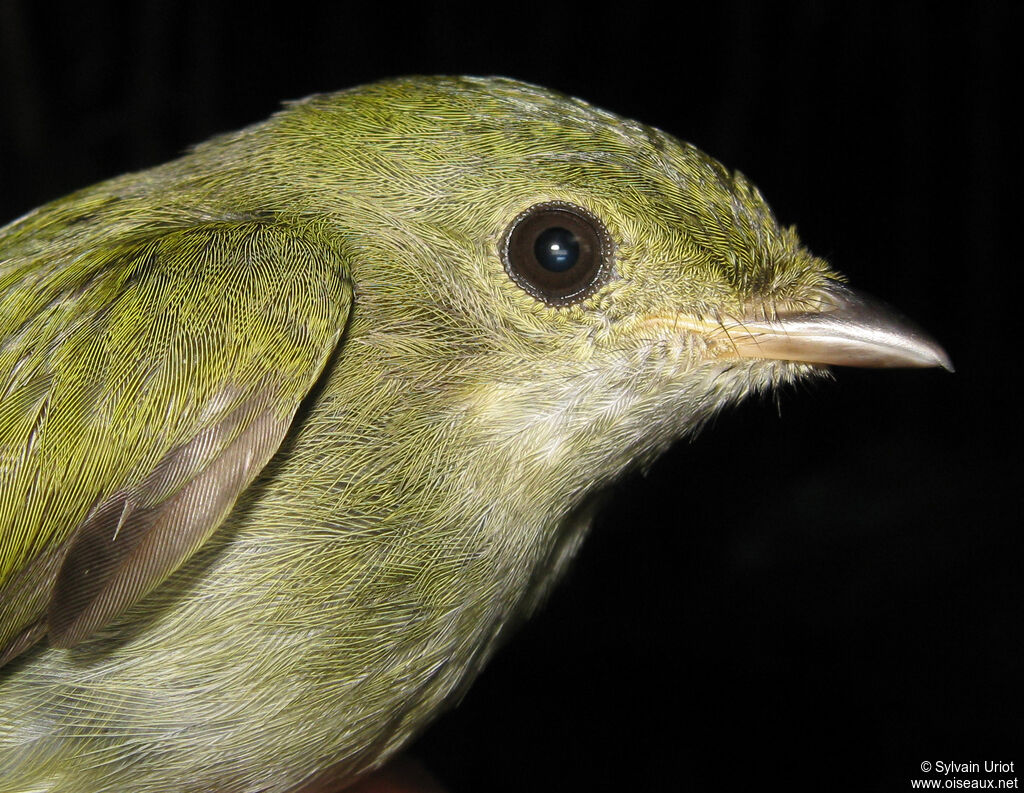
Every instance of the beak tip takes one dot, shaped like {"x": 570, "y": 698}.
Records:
{"x": 909, "y": 346}
{"x": 936, "y": 358}
{"x": 896, "y": 341}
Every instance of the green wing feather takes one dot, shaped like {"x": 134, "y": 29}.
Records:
{"x": 142, "y": 388}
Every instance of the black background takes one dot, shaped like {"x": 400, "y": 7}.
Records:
{"x": 821, "y": 595}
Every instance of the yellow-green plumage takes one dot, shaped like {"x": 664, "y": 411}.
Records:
{"x": 328, "y": 290}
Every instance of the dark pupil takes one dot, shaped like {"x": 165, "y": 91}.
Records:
{"x": 556, "y": 249}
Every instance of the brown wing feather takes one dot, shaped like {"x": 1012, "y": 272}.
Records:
{"x": 143, "y": 395}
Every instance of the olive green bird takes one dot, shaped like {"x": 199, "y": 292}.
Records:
{"x": 295, "y": 428}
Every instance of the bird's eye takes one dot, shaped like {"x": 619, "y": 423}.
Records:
{"x": 558, "y": 252}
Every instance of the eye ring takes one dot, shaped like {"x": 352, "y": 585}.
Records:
{"x": 557, "y": 252}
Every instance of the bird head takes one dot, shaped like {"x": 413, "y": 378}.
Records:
{"x": 573, "y": 267}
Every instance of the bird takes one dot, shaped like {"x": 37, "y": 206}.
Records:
{"x": 297, "y": 428}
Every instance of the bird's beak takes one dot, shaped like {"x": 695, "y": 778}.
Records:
{"x": 849, "y": 329}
